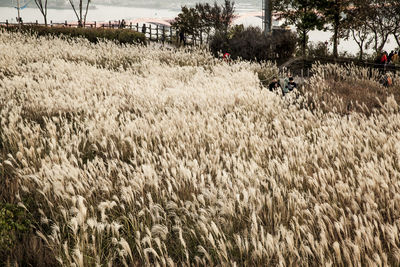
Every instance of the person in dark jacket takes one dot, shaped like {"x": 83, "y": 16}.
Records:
{"x": 122, "y": 25}
{"x": 274, "y": 84}
{"x": 289, "y": 85}
{"x": 182, "y": 38}
{"x": 390, "y": 56}
{"x": 144, "y": 29}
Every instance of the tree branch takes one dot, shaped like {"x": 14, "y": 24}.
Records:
{"x": 87, "y": 8}
{"x": 73, "y": 7}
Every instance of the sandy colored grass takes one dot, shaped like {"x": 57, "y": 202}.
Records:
{"x": 136, "y": 156}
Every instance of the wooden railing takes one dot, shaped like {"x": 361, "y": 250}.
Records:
{"x": 156, "y": 33}
{"x": 302, "y": 66}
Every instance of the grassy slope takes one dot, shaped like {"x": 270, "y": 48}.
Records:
{"x": 135, "y": 155}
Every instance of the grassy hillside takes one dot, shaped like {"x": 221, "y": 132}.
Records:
{"x": 124, "y": 155}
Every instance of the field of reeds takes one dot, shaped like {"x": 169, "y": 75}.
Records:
{"x": 131, "y": 156}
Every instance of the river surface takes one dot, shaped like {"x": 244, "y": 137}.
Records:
{"x": 108, "y": 12}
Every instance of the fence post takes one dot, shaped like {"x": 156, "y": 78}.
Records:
{"x": 137, "y": 27}
{"x": 95, "y": 24}
{"x": 51, "y": 23}
{"x": 37, "y": 22}
{"x": 6, "y": 23}
{"x": 163, "y": 34}
{"x": 150, "y": 32}
{"x": 109, "y": 24}
{"x": 130, "y": 25}
{"x": 157, "y": 33}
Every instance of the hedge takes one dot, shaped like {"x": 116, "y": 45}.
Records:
{"x": 252, "y": 44}
{"x": 122, "y": 36}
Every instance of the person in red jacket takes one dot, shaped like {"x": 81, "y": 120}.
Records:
{"x": 227, "y": 57}
{"x": 384, "y": 58}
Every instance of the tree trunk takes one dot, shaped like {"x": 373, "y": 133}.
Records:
{"x": 87, "y": 9}
{"x": 335, "y": 42}
{"x": 375, "y": 40}
{"x": 382, "y": 44}
{"x": 45, "y": 13}
{"x": 359, "y": 43}
{"x": 336, "y": 35}
{"x": 42, "y": 9}
{"x": 76, "y": 14}
{"x": 304, "y": 42}
{"x": 80, "y": 13}
{"x": 397, "y": 38}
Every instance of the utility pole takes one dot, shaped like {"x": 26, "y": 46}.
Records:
{"x": 267, "y": 16}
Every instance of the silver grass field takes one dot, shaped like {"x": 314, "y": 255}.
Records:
{"x": 140, "y": 156}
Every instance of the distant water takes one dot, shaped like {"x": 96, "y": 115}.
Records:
{"x": 100, "y": 13}
{"x": 106, "y": 13}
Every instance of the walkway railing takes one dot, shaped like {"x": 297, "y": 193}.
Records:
{"x": 302, "y": 66}
{"x": 153, "y": 32}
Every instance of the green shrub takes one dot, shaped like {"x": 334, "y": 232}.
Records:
{"x": 251, "y": 44}
{"x": 319, "y": 49}
{"x": 123, "y": 36}
{"x": 13, "y": 224}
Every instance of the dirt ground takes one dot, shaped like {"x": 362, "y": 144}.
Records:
{"x": 371, "y": 94}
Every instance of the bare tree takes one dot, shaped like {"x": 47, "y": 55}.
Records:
{"x": 81, "y": 19}
{"x": 43, "y": 9}
{"x": 394, "y": 9}
{"x": 335, "y": 13}
{"x": 356, "y": 28}
{"x": 42, "y": 6}
{"x": 376, "y": 14}
{"x": 360, "y": 34}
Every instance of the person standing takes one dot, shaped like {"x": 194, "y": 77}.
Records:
{"x": 144, "y": 28}
{"x": 163, "y": 37}
{"x": 285, "y": 88}
{"x": 182, "y": 38}
{"x": 390, "y": 57}
{"x": 384, "y": 58}
{"x": 395, "y": 58}
{"x": 122, "y": 24}
{"x": 383, "y": 61}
